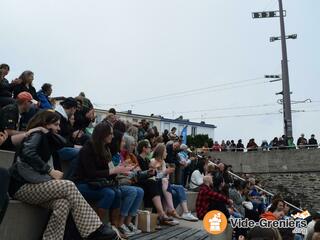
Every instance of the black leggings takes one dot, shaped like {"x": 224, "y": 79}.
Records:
{"x": 151, "y": 189}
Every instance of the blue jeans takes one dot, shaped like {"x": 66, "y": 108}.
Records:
{"x": 131, "y": 199}
{"x": 178, "y": 194}
{"x": 70, "y": 155}
{"x": 106, "y": 198}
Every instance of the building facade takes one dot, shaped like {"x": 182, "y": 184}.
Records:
{"x": 193, "y": 128}
{"x": 130, "y": 117}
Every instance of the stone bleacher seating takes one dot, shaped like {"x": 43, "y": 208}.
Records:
{"x": 26, "y": 222}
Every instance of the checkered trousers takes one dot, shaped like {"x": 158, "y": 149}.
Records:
{"x": 61, "y": 196}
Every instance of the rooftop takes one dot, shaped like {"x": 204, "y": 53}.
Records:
{"x": 178, "y": 120}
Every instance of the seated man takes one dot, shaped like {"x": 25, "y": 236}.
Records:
{"x": 207, "y": 196}
{"x": 70, "y": 153}
{"x": 6, "y": 88}
{"x": 84, "y": 117}
{"x": 13, "y": 121}
{"x": 255, "y": 197}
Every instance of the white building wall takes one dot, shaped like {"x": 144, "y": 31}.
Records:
{"x": 206, "y": 130}
{"x": 161, "y": 125}
{"x": 199, "y": 130}
{"x": 154, "y": 121}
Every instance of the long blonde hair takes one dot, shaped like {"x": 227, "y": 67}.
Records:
{"x": 158, "y": 152}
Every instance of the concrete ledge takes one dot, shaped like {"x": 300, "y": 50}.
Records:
{"x": 23, "y": 222}
{"x": 275, "y": 161}
{"x": 191, "y": 200}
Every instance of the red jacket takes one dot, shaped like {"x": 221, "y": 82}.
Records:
{"x": 206, "y": 194}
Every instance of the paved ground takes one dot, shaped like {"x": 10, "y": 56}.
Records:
{"x": 176, "y": 232}
{"x": 185, "y": 230}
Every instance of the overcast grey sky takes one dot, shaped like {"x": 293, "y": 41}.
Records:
{"x": 126, "y": 50}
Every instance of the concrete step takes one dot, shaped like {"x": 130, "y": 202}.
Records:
{"x": 6, "y": 159}
{"x": 23, "y": 222}
{"x": 191, "y": 201}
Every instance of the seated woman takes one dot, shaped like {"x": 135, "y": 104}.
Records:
{"x": 237, "y": 195}
{"x": 158, "y": 164}
{"x": 170, "y": 192}
{"x": 26, "y": 79}
{"x": 151, "y": 187}
{"x": 197, "y": 175}
{"x": 96, "y": 179}
{"x": 131, "y": 196}
{"x": 127, "y": 152}
{"x": 33, "y": 181}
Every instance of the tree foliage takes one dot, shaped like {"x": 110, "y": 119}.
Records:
{"x": 199, "y": 140}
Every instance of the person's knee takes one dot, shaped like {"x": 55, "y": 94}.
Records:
{"x": 118, "y": 194}
{"x": 108, "y": 194}
{"x": 132, "y": 193}
{"x": 69, "y": 186}
{"x": 140, "y": 192}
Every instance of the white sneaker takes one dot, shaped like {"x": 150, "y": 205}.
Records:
{"x": 119, "y": 237}
{"x": 174, "y": 223}
{"x": 134, "y": 229}
{"x": 189, "y": 217}
{"x": 125, "y": 230}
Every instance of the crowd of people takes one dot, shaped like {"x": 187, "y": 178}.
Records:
{"x": 117, "y": 165}
{"x": 282, "y": 143}
{"x": 242, "y": 197}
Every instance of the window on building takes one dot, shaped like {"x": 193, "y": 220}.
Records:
{"x": 135, "y": 120}
{"x": 193, "y": 131}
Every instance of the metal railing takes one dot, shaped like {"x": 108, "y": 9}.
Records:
{"x": 261, "y": 189}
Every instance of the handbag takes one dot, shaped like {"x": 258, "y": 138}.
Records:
{"x": 124, "y": 180}
{"x": 101, "y": 183}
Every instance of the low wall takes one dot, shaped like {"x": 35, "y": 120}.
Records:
{"x": 277, "y": 161}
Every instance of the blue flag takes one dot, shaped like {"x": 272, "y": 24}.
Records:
{"x": 184, "y": 134}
